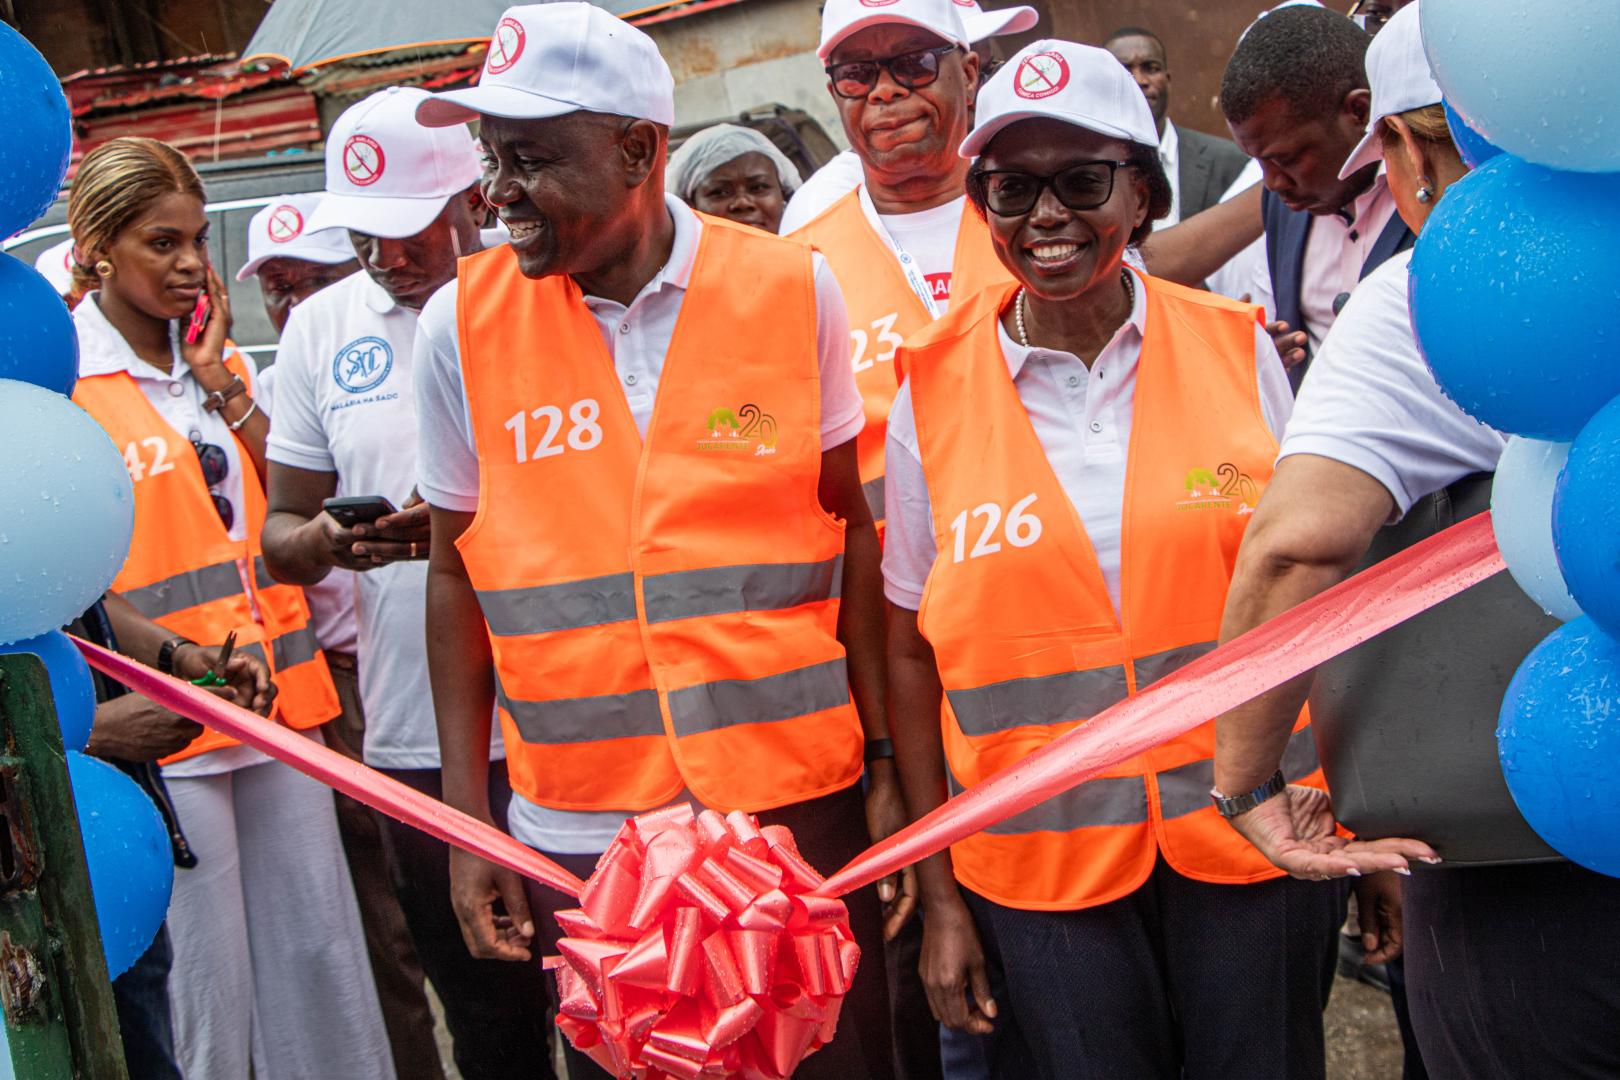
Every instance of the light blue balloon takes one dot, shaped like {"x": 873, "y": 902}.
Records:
{"x": 1586, "y": 519}
{"x": 131, "y": 862}
{"x": 67, "y": 511}
{"x": 1513, "y": 283}
{"x": 71, "y": 685}
{"x": 1475, "y": 149}
{"x": 1521, "y": 515}
{"x": 37, "y": 341}
{"x": 1558, "y": 739}
{"x": 1535, "y": 77}
{"x": 39, "y": 133}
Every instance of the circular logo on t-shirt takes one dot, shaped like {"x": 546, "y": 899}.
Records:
{"x": 363, "y": 364}
{"x": 505, "y": 46}
{"x": 363, "y": 160}
{"x": 1041, "y": 76}
{"x": 285, "y": 223}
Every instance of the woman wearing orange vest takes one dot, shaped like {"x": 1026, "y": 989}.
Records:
{"x": 1071, "y": 465}
{"x": 270, "y": 973}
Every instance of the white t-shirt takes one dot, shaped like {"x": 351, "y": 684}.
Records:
{"x": 840, "y": 176}
{"x": 929, "y": 236}
{"x": 178, "y": 399}
{"x": 1371, "y": 402}
{"x": 331, "y": 600}
{"x": 1083, "y": 421}
{"x": 345, "y": 404}
{"x": 637, "y": 338}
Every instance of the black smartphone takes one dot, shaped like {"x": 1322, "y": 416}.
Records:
{"x": 351, "y": 510}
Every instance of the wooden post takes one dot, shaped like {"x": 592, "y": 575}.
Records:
{"x": 59, "y": 1013}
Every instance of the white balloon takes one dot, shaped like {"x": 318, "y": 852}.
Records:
{"x": 1521, "y": 516}
{"x": 67, "y": 511}
{"x": 1537, "y": 78}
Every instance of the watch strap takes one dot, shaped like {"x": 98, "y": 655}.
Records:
{"x": 216, "y": 400}
{"x": 877, "y": 749}
{"x": 1230, "y": 806}
{"x": 166, "y": 651}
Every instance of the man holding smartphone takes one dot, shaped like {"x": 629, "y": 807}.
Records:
{"x": 346, "y": 418}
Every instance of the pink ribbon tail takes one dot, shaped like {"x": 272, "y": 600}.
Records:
{"x": 333, "y": 769}
{"x": 1271, "y": 654}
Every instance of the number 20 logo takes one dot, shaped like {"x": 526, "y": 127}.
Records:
{"x": 584, "y": 434}
{"x": 1020, "y": 529}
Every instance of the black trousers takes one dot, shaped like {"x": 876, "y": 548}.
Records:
{"x": 1513, "y": 972}
{"x": 830, "y": 831}
{"x": 1180, "y": 980}
{"x": 495, "y": 1010}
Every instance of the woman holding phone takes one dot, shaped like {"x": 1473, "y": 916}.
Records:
{"x": 270, "y": 973}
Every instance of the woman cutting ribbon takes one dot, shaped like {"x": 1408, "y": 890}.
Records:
{"x": 1071, "y": 467}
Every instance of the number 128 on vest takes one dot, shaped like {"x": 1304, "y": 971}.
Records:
{"x": 584, "y": 433}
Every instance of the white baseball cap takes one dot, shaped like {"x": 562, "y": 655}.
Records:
{"x": 981, "y": 24}
{"x": 1077, "y": 84}
{"x": 1399, "y": 74}
{"x": 548, "y": 60}
{"x": 841, "y": 18}
{"x": 55, "y": 265}
{"x": 281, "y": 231}
{"x": 387, "y": 175}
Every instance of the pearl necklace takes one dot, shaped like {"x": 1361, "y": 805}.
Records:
{"x": 1018, "y": 307}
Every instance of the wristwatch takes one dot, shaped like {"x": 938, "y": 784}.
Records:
{"x": 217, "y": 399}
{"x": 1230, "y": 806}
{"x": 877, "y": 749}
{"x": 166, "y": 651}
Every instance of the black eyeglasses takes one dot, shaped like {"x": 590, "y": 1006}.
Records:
{"x": 856, "y": 78}
{"x": 216, "y": 466}
{"x": 1085, "y": 186}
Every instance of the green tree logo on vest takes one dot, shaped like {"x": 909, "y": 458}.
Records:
{"x": 747, "y": 430}
{"x": 1227, "y": 487}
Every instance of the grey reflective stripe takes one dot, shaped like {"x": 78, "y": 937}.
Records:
{"x": 1048, "y": 699}
{"x": 261, "y": 574}
{"x": 873, "y": 490}
{"x": 728, "y": 702}
{"x": 1150, "y": 669}
{"x": 722, "y": 590}
{"x": 294, "y": 647}
{"x": 1185, "y": 789}
{"x": 1110, "y": 800}
{"x": 186, "y": 590}
{"x": 569, "y": 605}
{"x": 586, "y": 719}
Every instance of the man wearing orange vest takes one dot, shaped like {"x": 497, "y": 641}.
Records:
{"x": 651, "y": 556}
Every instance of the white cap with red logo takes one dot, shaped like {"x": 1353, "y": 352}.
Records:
{"x": 552, "y": 59}
{"x": 981, "y": 24}
{"x": 1077, "y": 84}
{"x": 841, "y": 18}
{"x": 281, "y": 231}
{"x": 387, "y": 175}
{"x": 55, "y": 265}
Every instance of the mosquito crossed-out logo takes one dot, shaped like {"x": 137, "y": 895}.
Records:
{"x": 505, "y": 46}
{"x": 285, "y": 224}
{"x": 1041, "y": 75}
{"x": 363, "y": 160}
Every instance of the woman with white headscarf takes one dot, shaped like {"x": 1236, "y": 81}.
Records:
{"x": 733, "y": 172}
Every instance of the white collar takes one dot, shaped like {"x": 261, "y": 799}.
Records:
{"x": 677, "y": 269}
{"x": 376, "y": 297}
{"x": 1017, "y": 354}
{"x": 1169, "y": 143}
{"x": 103, "y": 350}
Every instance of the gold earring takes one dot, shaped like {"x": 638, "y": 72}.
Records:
{"x": 104, "y": 268}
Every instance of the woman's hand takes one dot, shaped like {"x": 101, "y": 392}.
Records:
{"x": 1297, "y": 832}
{"x": 952, "y": 966}
{"x": 206, "y": 356}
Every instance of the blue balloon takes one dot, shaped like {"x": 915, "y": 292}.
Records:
{"x": 39, "y": 133}
{"x": 131, "y": 862}
{"x": 67, "y": 511}
{"x": 1513, "y": 286}
{"x": 1475, "y": 149}
{"x": 1535, "y": 77}
{"x": 1521, "y": 516}
{"x": 71, "y": 686}
{"x": 1558, "y": 739}
{"x": 1586, "y": 519}
{"x": 37, "y": 341}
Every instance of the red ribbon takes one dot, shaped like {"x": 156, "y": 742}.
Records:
{"x": 698, "y": 951}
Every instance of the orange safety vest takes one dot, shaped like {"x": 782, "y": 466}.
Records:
{"x": 662, "y": 614}
{"x": 884, "y": 311}
{"x": 184, "y": 570}
{"x": 1026, "y": 638}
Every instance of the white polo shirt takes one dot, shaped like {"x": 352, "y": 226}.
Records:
{"x": 1372, "y": 403}
{"x": 345, "y": 404}
{"x": 1082, "y": 418}
{"x": 178, "y": 399}
{"x": 637, "y": 337}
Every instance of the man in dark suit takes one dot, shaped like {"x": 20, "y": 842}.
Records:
{"x": 1295, "y": 96}
{"x": 1201, "y": 167}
